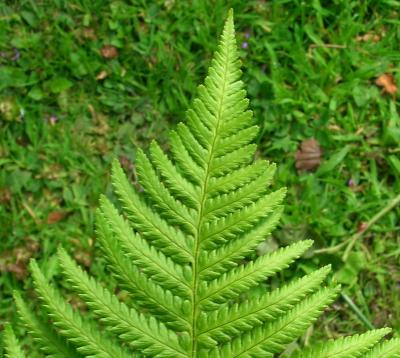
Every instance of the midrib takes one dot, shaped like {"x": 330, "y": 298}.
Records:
{"x": 195, "y": 308}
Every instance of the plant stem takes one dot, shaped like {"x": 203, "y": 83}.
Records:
{"x": 392, "y": 204}
{"x": 352, "y": 239}
{"x": 357, "y": 311}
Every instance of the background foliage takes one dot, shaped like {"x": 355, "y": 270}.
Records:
{"x": 82, "y": 82}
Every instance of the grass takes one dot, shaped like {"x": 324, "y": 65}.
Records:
{"x": 66, "y": 111}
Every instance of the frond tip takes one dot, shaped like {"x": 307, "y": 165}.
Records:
{"x": 348, "y": 347}
{"x": 183, "y": 252}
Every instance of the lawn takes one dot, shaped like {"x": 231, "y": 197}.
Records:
{"x": 83, "y": 82}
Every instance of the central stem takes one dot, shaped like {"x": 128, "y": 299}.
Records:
{"x": 203, "y": 197}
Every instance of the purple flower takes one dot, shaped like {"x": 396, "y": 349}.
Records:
{"x": 245, "y": 45}
{"x": 53, "y": 119}
{"x": 247, "y": 35}
{"x": 350, "y": 183}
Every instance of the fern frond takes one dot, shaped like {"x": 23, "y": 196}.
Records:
{"x": 236, "y": 179}
{"x": 146, "y": 294}
{"x": 178, "y": 185}
{"x": 13, "y": 348}
{"x": 196, "y": 150}
{"x": 221, "y": 230}
{"x": 165, "y": 237}
{"x": 171, "y": 208}
{"x": 46, "y": 338}
{"x": 184, "y": 161}
{"x": 82, "y": 334}
{"x": 229, "y": 203}
{"x": 388, "y": 349}
{"x": 148, "y": 335}
{"x": 222, "y": 165}
{"x": 214, "y": 263}
{"x": 183, "y": 251}
{"x": 154, "y": 263}
{"x": 238, "y": 140}
{"x": 200, "y": 120}
{"x": 270, "y": 338}
{"x": 232, "y": 320}
{"x": 243, "y": 277}
{"x": 238, "y": 122}
{"x": 347, "y": 347}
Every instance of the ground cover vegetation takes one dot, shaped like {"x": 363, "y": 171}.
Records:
{"x": 82, "y": 83}
{"x": 182, "y": 252}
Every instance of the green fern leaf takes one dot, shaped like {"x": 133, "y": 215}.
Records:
{"x": 183, "y": 251}
{"x": 237, "y": 179}
{"x": 161, "y": 268}
{"x": 177, "y": 184}
{"x": 82, "y": 334}
{"x": 170, "y": 240}
{"x": 388, "y": 349}
{"x": 219, "y": 231}
{"x": 229, "y": 203}
{"x": 215, "y": 262}
{"x": 272, "y": 337}
{"x": 13, "y": 349}
{"x": 348, "y": 347}
{"x": 47, "y": 339}
{"x": 170, "y": 208}
{"x": 244, "y": 277}
{"x": 146, "y": 294}
{"x": 232, "y": 320}
{"x": 148, "y": 335}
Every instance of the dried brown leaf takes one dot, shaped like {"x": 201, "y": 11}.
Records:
{"x": 18, "y": 269}
{"x": 55, "y": 217}
{"x": 102, "y": 75}
{"x": 5, "y": 196}
{"x": 15, "y": 261}
{"x": 369, "y": 36}
{"x": 109, "y": 51}
{"x": 309, "y": 155}
{"x": 386, "y": 81}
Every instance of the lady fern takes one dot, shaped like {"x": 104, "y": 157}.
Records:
{"x": 181, "y": 252}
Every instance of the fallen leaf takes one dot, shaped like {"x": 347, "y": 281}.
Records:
{"x": 55, "y": 217}
{"x": 369, "y": 36}
{"x": 386, "y": 81}
{"x": 335, "y": 128}
{"x": 309, "y": 155}
{"x": 109, "y": 51}
{"x": 15, "y": 261}
{"x": 102, "y": 75}
{"x": 5, "y": 196}
{"x": 19, "y": 270}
